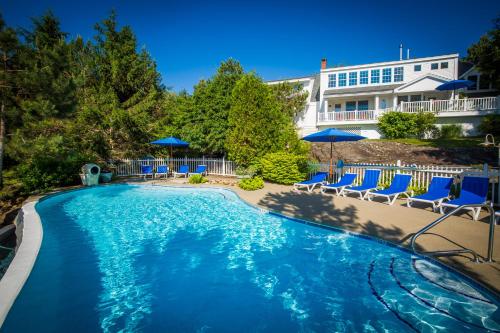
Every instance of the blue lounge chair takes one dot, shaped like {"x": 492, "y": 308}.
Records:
{"x": 200, "y": 170}
{"x": 474, "y": 191}
{"x": 399, "y": 185}
{"x": 370, "y": 182}
{"x": 439, "y": 190}
{"x": 318, "y": 179}
{"x": 183, "y": 171}
{"x": 344, "y": 182}
{"x": 161, "y": 170}
{"x": 146, "y": 170}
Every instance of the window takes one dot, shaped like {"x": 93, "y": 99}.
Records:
{"x": 472, "y": 78}
{"x": 353, "y": 78}
{"x": 386, "y": 75}
{"x": 444, "y": 65}
{"x": 342, "y": 80}
{"x": 417, "y": 68}
{"x": 350, "y": 106}
{"x": 402, "y": 99}
{"x": 375, "y": 76}
{"x": 338, "y": 107}
{"x": 415, "y": 98}
{"x": 363, "y": 77}
{"x": 362, "y": 105}
{"x": 332, "y": 80}
{"x": 398, "y": 74}
{"x": 434, "y": 66}
{"x": 484, "y": 82}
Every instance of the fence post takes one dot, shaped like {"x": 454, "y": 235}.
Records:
{"x": 223, "y": 165}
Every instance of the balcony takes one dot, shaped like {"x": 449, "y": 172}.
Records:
{"x": 452, "y": 105}
{"x": 444, "y": 108}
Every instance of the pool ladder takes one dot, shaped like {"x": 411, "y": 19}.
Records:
{"x": 491, "y": 238}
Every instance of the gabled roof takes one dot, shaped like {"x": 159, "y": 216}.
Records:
{"x": 423, "y": 77}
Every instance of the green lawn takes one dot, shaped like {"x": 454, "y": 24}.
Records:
{"x": 440, "y": 143}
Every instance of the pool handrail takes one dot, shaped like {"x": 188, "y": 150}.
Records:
{"x": 491, "y": 237}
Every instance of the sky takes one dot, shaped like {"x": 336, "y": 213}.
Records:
{"x": 276, "y": 39}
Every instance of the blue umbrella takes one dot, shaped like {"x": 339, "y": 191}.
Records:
{"x": 171, "y": 142}
{"x": 454, "y": 85}
{"x": 332, "y": 135}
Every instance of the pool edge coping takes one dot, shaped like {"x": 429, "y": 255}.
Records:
{"x": 29, "y": 234}
{"x": 30, "y": 238}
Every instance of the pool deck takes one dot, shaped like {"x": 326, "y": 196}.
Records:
{"x": 395, "y": 224}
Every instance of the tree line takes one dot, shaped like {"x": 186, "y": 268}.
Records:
{"x": 67, "y": 101}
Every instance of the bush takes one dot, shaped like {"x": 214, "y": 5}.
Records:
{"x": 197, "y": 179}
{"x": 283, "y": 168}
{"x": 425, "y": 124}
{"x": 251, "y": 184}
{"x": 398, "y": 125}
{"x": 450, "y": 131}
{"x": 490, "y": 125}
{"x": 51, "y": 164}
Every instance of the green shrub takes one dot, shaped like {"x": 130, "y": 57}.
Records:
{"x": 251, "y": 184}
{"x": 283, "y": 168}
{"x": 197, "y": 179}
{"x": 398, "y": 125}
{"x": 425, "y": 124}
{"x": 50, "y": 164}
{"x": 450, "y": 131}
{"x": 490, "y": 125}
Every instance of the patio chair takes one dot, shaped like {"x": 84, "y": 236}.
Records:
{"x": 161, "y": 170}
{"x": 474, "y": 191}
{"x": 439, "y": 190}
{"x": 318, "y": 179}
{"x": 497, "y": 216}
{"x": 183, "y": 171}
{"x": 370, "y": 182}
{"x": 399, "y": 185}
{"x": 146, "y": 170}
{"x": 346, "y": 181}
{"x": 200, "y": 170}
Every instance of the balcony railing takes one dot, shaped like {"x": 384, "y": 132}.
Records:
{"x": 356, "y": 115}
{"x": 452, "y": 105}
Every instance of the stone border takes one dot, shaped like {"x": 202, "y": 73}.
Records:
{"x": 29, "y": 234}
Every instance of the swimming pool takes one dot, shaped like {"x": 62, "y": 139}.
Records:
{"x": 163, "y": 259}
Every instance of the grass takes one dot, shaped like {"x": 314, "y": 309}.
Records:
{"x": 469, "y": 142}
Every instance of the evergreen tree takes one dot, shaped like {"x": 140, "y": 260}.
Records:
{"x": 485, "y": 54}
{"x": 259, "y": 122}
{"x": 206, "y": 123}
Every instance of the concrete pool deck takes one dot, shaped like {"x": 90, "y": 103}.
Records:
{"x": 395, "y": 224}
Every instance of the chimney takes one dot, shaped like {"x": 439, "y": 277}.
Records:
{"x": 408, "y": 53}
{"x": 323, "y": 63}
{"x": 401, "y": 51}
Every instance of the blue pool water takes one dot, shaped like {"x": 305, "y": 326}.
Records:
{"x": 155, "y": 259}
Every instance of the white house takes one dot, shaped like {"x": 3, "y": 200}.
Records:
{"x": 353, "y": 97}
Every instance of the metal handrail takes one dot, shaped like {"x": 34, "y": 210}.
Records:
{"x": 491, "y": 238}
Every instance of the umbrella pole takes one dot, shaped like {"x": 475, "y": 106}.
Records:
{"x": 170, "y": 160}
{"x": 331, "y": 161}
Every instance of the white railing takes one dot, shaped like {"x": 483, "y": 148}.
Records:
{"x": 421, "y": 174}
{"x": 215, "y": 166}
{"x": 452, "y": 105}
{"x": 356, "y": 115}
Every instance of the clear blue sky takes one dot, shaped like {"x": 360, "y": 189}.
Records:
{"x": 277, "y": 39}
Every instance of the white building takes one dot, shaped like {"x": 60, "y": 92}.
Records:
{"x": 353, "y": 97}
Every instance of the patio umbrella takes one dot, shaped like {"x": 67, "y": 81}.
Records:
{"x": 171, "y": 142}
{"x": 454, "y": 85}
{"x": 332, "y": 135}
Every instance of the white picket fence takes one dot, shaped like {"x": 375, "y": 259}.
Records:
{"x": 215, "y": 166}
{"x": 421, "y": 174}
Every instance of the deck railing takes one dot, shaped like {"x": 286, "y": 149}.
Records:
{"x": 215, "y": 166}
{"x": 356, "y": 115}
{"x": 452, "y": 105}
